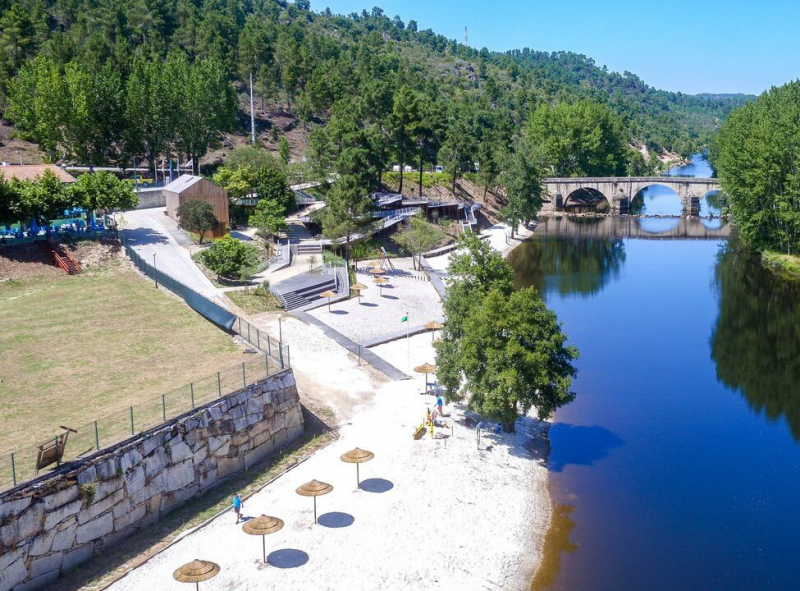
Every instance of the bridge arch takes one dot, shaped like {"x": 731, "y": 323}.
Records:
{"x": 658, "y": 198}
{"x": 589, "y": 198}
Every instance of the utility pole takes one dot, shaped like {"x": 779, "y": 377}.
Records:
{"x": 466, "y": 37}
{"x": 252, "y": 113}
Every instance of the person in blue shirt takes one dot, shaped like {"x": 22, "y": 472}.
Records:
{"x": 439, "y": 405}
{"x": 237, "y": 506}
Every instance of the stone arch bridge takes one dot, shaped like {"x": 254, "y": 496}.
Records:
{"x": 620, "y": 191}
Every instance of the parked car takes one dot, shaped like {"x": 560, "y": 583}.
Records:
{"x": 439, "y": 169}
{"x": 395, "y": 168}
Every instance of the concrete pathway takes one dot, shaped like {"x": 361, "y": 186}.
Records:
{"x": 151, "y": 232}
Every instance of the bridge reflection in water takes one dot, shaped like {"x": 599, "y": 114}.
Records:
{"x": 612, "y": 226}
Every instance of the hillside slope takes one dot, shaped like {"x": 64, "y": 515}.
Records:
{"x": 306, "y": 62}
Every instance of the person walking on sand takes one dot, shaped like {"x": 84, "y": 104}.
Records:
{"x": 439, "y": 405}
{"x": 237, "y": 506}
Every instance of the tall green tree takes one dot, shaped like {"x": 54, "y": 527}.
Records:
{"x": 522, "y": 181}
{"x": 103, "y": 190}
{"x": 757, "y": 156}
{"x": 403, "y": 123}
{"x": 579, "y": 139}
{"x": 514, "y": 357}
{"x": 347, "y": 209}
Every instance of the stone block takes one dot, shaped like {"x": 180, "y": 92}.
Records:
{"x": 218, "y": 446}
{"x": 156, "y": 486}
{"x": 228, "y": 466}
{"x": 57, "y": 516}
{"x": 62, "y": 497}
{"x": 171, "y": 500}
{"x": 135, "y": 482}
{"x": 40, "y": 582}
{"x": 129, "y": 459}
{"x": 179, "y": 452}
{"x": 76, "y": 557}
{"x": 96, "y": 528}
{"x": 152, "y": 443}
{"x": 14, "y": 507}
{"x": 155, "y": 463}
{"x": 23, "y": 526}
{"x": 45, "y": 564}
{"x": 179, "y": 475}
{"x": 107, "y": 469}
{"x": 121, "y": 508}
{"x": 200, "y": 454}
{"x": 207, "y": 479}
{"x": 12, "y": 555}
{"x": 127, "y": 519}
{"x": 107, "y": 487}
{"x": 65, "y": 539}
{"x": 88, "y": 474}
{"x": 255, "y": 406}
{"x": 215, "y": 412}
{"x": 98, "y": 507}
{"x": 41, "y": 544}
{"x": 12, "y": 575}
{"x": 67, "y": 523}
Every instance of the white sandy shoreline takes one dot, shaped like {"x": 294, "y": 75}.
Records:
{"x": 436, "y": 513}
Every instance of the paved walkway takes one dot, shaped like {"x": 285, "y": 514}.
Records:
{"x": 150, "y": 232}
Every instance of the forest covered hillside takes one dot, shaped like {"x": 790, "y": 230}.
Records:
{"x": 98, "y": 81}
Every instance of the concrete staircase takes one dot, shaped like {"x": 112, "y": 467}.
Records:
{"x": 307, "y": 294}
{"x": 296, "y": 231}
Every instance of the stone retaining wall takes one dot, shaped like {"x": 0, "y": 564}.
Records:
{"x": 50, "y": 525}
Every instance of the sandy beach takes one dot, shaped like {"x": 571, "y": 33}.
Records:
{"x": 439, "y": 512}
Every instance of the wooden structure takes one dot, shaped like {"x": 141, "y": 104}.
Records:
{"x": 188, "y": 187}
{"x": 52, "y": 450}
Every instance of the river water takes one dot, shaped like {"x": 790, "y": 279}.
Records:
{"x": 678, "y": 464}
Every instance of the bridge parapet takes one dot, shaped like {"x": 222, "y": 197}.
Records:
{"x": 620, "y": 191}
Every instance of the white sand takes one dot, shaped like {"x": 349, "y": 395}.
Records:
{"x": 449, "y": 516}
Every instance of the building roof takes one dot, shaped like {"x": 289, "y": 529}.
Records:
{"x": 182, "y": 183}
{"x": 31, "y": 172}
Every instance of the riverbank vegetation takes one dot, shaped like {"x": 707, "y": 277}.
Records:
{"x": 502, "y": 350}
{"x": 757, "y": 155}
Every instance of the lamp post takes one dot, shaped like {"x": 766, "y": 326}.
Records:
{"x": 155, "y": 270}
{"x": 280, "y": 328}
{"x": 19, "y": 156}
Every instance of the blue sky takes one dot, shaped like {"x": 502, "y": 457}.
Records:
{"x": 681, "y": 45}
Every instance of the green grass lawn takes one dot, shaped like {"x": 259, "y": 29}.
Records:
{"x": 255, "y": 300}
{"x": 74, "y": 349}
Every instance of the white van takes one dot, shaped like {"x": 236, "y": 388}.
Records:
{"x": 440, "y": 169}
{"x": 395, "y": 168}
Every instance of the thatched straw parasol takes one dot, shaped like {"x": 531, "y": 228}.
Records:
{"x": 328, "y": 294}
{"x": 359, "y": 287}
{"x": 426, "y": 368}
{"x": 315, "y": 489}
{"x": 433, "y": 326}
{"x": 377, "y": 271}
{"x": 357, "y": 456}
{"x": 196, "y": 572}
{"x": 381, "y": 281}
{"x": 263, "y": 526}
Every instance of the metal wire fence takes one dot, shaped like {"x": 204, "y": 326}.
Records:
{"x": 112, "y": 428}
{"x": 104, "y": 431}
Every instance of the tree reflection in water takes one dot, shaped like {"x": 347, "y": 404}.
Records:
{"x": 756, "y": 341}
{"x": 568, "y": 265}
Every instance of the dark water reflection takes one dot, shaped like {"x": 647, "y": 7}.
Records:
{"x": 756, "y": 337}
{"x": 679, "y": 460}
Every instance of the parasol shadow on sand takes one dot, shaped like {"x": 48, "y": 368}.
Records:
{"x": 377, "y": 485}
{"x": 287, "y": 558}
{"x": 336, "y": 520}
{"x": 196, "y": 572}
{"x": 314, "y": 489}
